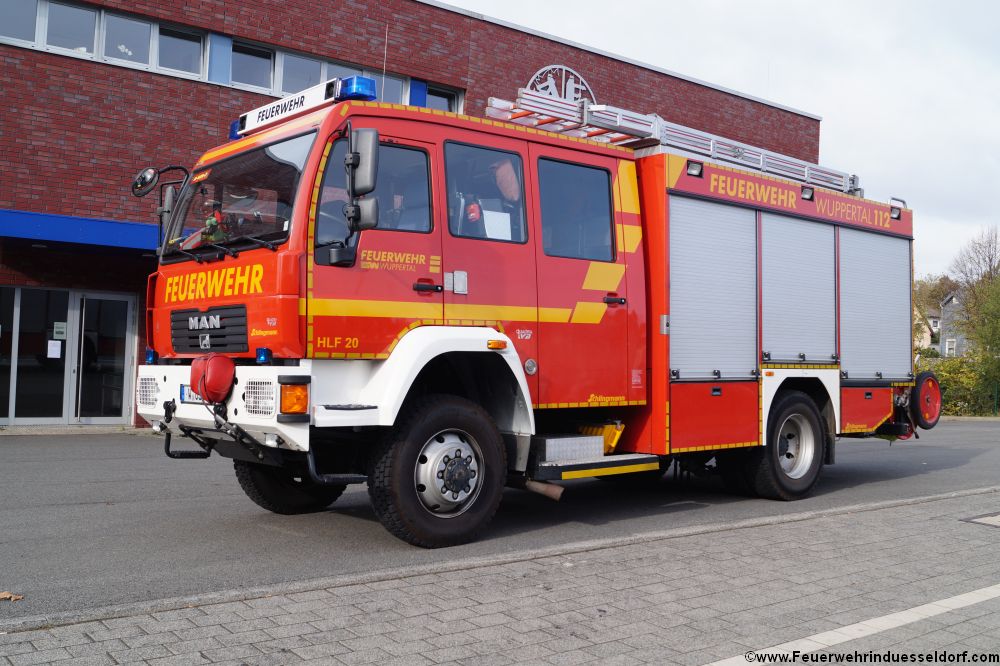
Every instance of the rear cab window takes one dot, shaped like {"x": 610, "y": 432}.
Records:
{"x": 485, "y": 193}
{"x": 577, "y": 216}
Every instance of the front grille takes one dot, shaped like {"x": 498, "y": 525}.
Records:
{"x": 259, "y": 397}
{"x": 148, "y": 388}
{"x": 230, "y": 336}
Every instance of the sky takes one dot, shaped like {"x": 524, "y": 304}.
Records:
{"x": 909, "y": 90}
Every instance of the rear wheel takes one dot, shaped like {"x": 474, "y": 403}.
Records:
{"x": 438, "y": 477}
{"x": 281, "y": 491}
{"x": 925, "y": 400}
{"x": 788, "y": 467}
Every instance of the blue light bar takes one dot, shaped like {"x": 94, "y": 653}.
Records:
{"x": 150, "y": 356}
{"x": 234, "y": 129}
{"x": 357, "y": 87}
{"x": 264, "y": 355}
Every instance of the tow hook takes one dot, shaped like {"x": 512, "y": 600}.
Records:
{"x": 169, "y": 407}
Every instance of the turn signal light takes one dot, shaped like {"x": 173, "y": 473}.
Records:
{"x": 294, "y": 398}
{"x": 496, "y": 344}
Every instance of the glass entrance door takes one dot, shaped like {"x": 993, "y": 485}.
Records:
{"x": 102, "y": 364}
{"x": 65, "y": 357}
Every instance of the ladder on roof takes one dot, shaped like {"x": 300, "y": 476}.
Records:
{"x": 609, "y": 124}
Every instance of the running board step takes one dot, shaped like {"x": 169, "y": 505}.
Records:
{"x": 603, "y": 466}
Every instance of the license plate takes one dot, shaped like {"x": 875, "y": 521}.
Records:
{"x": 187, "y": 395}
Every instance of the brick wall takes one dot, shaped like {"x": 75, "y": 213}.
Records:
{"x": 88, "y": 127}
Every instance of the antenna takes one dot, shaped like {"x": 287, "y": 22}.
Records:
{"x": 385, "y": 56}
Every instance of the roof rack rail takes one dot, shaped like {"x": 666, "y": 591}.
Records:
{"x": 609, "y": 124}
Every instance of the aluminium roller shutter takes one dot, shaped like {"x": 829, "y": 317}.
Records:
{"x": 875, "y": 316}
{"x": 799, "y": 294}
{"x": 713, "y": 289}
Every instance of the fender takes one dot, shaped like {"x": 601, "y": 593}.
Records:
{"x": 378, "y": 394}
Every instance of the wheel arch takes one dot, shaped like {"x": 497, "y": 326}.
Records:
{"x": 818, "y": 392}
{"x": 454, "y": 360}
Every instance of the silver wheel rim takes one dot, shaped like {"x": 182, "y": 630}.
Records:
{"x": 796, "y": 446}
{"x": 448, "y": 472}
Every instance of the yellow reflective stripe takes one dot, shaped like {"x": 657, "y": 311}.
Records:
{"x": 334, "y": 307}
{"x": 632, "y": 237}
{"x": 603, "y": 276}
{"x": 607, "y": 471}
{"x": 588, "y": 313}
{"x": 496, "y": 312}
{"x": 676, "y": 165}
{"x": 628, "y": 186}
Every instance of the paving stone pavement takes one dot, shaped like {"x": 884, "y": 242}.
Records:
{"x": 685, "y": 600}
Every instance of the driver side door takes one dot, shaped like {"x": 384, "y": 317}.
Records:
{"x": 393, "y": 286}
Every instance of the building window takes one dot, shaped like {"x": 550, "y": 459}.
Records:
{"x": 388, "y": 88}
{"x": 298, "y": 73}
{"x": 180, "y": 51}
{"x": 442, "y": 100}
{"x": 949, "y": 347}
{"x": 251, "y": 66}
{"x": 338, "y": 71}
{"x": 485, "y": 193}
{"x": 576, "y": 211}
{"x": 19, "y": 19}
{"x": 127, "y": 39}
{"x": 935, "y": 324}
{"x": 72, "y": 28}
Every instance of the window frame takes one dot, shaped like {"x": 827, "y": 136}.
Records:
{"x": 441, "y": 91}
{"x": 524, "y": 203}
{"x": 951, "y": 347}
{"x": 52, "y": 48}
{"x": 611, "y": 208}
{"x": 272, "y": 52}
{"x": 37, "y": 38}
{"x": 152, "y": 47}
{"x": 202, "y": 47}
{"x": 279, "y": 69}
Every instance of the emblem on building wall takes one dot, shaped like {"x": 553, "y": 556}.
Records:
{"x": 561, "y": 82}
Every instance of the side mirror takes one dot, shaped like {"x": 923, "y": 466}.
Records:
{"x": 368, "y": 214}
{"x": 362, "y": 214}
{"x": 363, "y": 161}
{"x": 145, "y": 181}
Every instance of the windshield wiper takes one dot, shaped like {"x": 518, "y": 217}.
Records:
{"x": 270, "y": 245}
{"x": 196, "y": 257}
{"x": 228, "y": 250}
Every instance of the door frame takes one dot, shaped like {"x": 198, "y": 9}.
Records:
{"x": 72, "y": 351}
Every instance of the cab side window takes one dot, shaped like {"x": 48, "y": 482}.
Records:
{"x": 403, "y": 193}
{"x": 577, "y": 218}
{"x": 485, "y": 193}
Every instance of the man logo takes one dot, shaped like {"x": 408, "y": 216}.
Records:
{"x": 204, "y": 322}
{"x": 205, "y": 341}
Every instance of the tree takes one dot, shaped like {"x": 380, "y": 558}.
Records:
{"x": 976, "y": 268}
{"x": 928, "y": 292}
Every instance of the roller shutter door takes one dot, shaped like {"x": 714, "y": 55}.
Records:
{"x": 799, "y": 275}
{"x": 713, "y": 289}
{"x": 875, "y": 317}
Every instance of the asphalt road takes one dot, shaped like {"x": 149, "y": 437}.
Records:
{"x": 88, "y": 521}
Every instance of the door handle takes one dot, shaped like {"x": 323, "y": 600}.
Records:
{"x": 614, "y": 300}
{"x": 427, "y": 286}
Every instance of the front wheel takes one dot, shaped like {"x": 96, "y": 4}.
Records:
{"x": 788, "y": 467}
{"x": 281, "y": 491}
{"x": 437, "y": 478}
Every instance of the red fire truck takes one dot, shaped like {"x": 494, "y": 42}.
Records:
{"x": 441, "y": 305}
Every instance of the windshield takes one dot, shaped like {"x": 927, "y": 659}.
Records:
{"x": 245, "y": 199}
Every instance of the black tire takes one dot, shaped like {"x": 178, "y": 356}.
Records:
{"x": 277, "y": 489}
{"x": 424, "y": 514}
{"x": 795, "y": 422}
{"x": 925, "y": 400}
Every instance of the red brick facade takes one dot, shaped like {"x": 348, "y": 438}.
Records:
{"x": 89, "y": 126}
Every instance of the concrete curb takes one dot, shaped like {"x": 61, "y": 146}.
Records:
{"x": 223, "y": 596}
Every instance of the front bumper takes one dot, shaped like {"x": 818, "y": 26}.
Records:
{"x": 253, "y": 404}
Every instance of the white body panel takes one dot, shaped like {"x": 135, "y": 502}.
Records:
{"x": 381, "y": 386}
{"x": 713, "y": 289}
{"x": 799, "y": 276}
{"x": 772, "y": 382}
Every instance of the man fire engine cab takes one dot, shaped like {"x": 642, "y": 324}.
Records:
{"x": 440, "y": 305}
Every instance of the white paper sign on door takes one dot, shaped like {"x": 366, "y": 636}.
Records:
{"x": 55, "y": 349}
